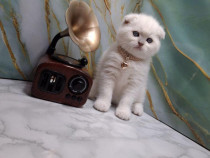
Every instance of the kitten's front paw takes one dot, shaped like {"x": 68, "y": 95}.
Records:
{"x": 101, "y": 105}
{"x": 137, "y": 109}
{"x": 123, "y": 113}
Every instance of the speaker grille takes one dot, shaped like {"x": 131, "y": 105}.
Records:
{"x": 51, "y": 81}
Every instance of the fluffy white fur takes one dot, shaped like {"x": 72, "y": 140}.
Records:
{"x": 126, "y": 87}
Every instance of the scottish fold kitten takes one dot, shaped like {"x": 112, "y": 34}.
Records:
{"x": 121, "y": 75}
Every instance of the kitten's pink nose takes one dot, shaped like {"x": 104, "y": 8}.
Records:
{"x": 140, "y": 44}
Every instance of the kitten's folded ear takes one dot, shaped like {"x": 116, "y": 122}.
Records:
{"x": 161, "y": 33}
{"x": 128, "y": 18}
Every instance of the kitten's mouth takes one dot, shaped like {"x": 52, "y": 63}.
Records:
{"x": 138, "y": 47}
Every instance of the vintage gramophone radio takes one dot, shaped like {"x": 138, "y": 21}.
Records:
{"x": 61, "y": 78}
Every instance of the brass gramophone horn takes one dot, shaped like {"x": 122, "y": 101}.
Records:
{"x": 83, "y": 26}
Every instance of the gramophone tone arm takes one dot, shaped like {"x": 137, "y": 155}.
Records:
{"x": 52, "y": 46}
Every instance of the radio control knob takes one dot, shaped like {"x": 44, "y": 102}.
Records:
{"x": 73, "y": 97}
{"x": 83, "y": 61}
{"x": 78, "y": 84}
{"x": 79, "y": 99}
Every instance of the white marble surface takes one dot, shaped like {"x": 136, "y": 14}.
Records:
{"x": 33, "y": 128}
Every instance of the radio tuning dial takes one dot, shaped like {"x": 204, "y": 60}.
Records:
{"x": 78, "y": 84}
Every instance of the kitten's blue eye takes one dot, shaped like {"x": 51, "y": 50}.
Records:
{"x": 149, "y": 40}
{"x": 136, "y": 33}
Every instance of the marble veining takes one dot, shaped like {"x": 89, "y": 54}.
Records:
{"x": 34, "y": 128}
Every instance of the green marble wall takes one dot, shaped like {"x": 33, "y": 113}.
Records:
{"x": 178, "y": 89}
{"x": 179, "y": 84}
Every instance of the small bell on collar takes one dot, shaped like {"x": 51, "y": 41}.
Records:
{"x": 124, "y": 64}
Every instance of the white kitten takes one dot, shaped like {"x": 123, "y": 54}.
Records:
{"x": 138, "y": 36}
